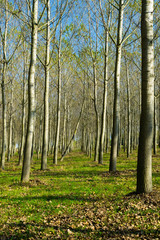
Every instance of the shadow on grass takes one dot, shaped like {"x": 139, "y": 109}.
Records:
{"x": 70, "y": 196}
{"x": 38, "y": 231}
{"x": 118, "y": 233}
{"x": 85, "y": 173}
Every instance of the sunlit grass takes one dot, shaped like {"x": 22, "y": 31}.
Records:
{"x": 73, "y": 183}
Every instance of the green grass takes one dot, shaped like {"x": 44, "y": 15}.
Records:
{"x": 78, "y": 199}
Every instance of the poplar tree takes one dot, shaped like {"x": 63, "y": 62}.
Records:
{"x": 31, "y": 96}
{"x": 46, "y": 93}
{"x": 144, "y": 166}
{"x": 116, "y": 108}
{"x": 4, "y": 70}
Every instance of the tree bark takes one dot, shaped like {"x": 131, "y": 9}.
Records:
{"x": 144, "y": 166}
{"x": 10, "y": 126}
{"x": 104, "y": 110}
{"x": 46, "y": 94}
{"x": 108, "y": 134}
{"x": 4, "y": 106}
{"x": 59, "y": 101}
{"x": 23, "y": 110}
{"x": 97, "y": 115}
{"x": 31, "y": 96}
{"x": 128, "y": 113}
{"x": 64, "y": 124}
{"x": 116, "y": 109}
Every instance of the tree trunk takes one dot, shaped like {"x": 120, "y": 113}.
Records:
{"x": 46, "y": 94}
{"x": 73, "y": 135}
{"x": 64, "y": 125}
{"x": 128, "y": 112}
{"x": 40, "y": 137}
{"x": 10, "y": 126}
{"x": 4, "y": 106}
{"x": 83, "y": 144}
{"x": 59, "y": 101}
{"x": 23, "y": 110}
{"x": 144, "y": 166}
{"x": 31, "y": 96}
{"x": 108, "y": 134}
{"x": 116, "y": 109}
{"x": 97, "y": 115}
{"x": 104, "y": 110}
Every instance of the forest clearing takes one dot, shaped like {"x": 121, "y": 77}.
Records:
{"x": 79, "y": 199}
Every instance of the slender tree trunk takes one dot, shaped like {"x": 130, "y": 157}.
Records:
{"x": 73, "y": 135}
{"x": 104, "y": 110}
{"x": 64, "y": 125}
{"x": 31, "y": 96}
{"x": 128, "y": 112}
{"x": 88, "y": 143}
{"x": 124, "y": 138}
{"x": 83, "y": 144}
{"x": 59, "y": 101}
{"x": 144, "y": 166}
{"x": 90, "y": 140}
{"x": 108, "y": 134}
{"x": 46, "y": 94}
{"x": 13, "y": 139}
{"x": 10, "y": 126}
{"x": 68, "y": 132}
{"x": 119, "y": 137}
{"x": 4, "y": 113}
{"x": 116, "y": 109}
{"x": 50, "y": 135}
{"x": 97, "y": 115}
{"x": 33, "y": 144}
{"x": 23, "y": 111}
{"x": 135, "y": 131}
{"x": 4, "y": 106}
{"x": 40, "y": 137}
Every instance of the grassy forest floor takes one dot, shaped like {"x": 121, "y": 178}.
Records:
{"x": 78, "y": 199}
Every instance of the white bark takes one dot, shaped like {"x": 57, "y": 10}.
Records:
{"x": 23, "y": 110}
{"x": 128, "y": 112}
{"x": 97, "y": 114}
{"x": 144, "y": 167}
{"x": 104, "y": 111}
{"x": 116, "y": 110}
{"x": 64, "y": 124}
{"x": 59, "y": 101}
{"x": 46, "y": 94}
{"x": 4, "y": 106}
{"x": 31, "y": 96}
{"x": 10, "y": 126}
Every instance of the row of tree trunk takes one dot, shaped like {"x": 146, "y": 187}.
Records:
{"x": 101, "y": 138}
